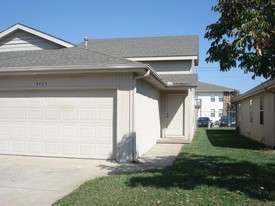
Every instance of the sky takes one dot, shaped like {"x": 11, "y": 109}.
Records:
{"x": 72, "y": 20}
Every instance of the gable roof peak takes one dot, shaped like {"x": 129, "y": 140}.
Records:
{"x": 40, "y": 34}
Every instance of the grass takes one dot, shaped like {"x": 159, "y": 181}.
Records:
{"x": 220, "y": 167}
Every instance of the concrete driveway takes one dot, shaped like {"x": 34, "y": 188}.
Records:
{"x": 41, "y": 181}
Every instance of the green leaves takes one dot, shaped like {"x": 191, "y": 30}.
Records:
{"x": 243, "y": 36}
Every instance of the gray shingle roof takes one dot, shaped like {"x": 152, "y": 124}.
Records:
{"x": 74, "y": 56}
{"x": 205, "y": 87}
{"x": 268, "y": 83}
{"x": 259, "y": 88}
{"x": 180, "y": 79}
{"x": 147, "y": 46}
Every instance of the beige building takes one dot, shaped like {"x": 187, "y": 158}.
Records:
{"x": 256, "y": 113}
{"x": 105, "y": 99}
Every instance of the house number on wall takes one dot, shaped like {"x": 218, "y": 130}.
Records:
{"x": 41, "y": 84}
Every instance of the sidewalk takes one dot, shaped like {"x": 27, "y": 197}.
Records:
{"x": 160, "y": 156}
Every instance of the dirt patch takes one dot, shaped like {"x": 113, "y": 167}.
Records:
{"x": 269, "y": 151}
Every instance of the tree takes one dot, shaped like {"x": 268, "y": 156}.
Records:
{"x": 243, "y": 36}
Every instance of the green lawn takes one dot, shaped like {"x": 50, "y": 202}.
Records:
{"x": 218, "y": 168}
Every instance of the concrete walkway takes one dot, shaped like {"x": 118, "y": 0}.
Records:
{"x": 41, "y": 181}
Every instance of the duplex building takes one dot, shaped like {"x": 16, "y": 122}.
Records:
{"x": 106, "y": 99}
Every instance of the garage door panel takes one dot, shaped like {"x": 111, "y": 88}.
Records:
{"x": 51, "y": 148}
{"x": 18, "y": 147}
{"x": 104, "y": 133}
{"x": 51, "y": 101}
{"x": 52, "y": 115}
{"x": 18, "y": 114}
{"x": 52, "y": 131}
{"x": 69, "y": 149}
{"x": 34, "y": 114}
{"x": 5, "y": 114}
{"x": 88, "y": 115}
{"x": 69, "y": 131}
{"x": 104, "y": 101}
{"x": 87, "y": 150}
{"x": 17, "y": 102}
{"x": 57, "y": 123}
{"x": 86, "y": 102}
{"x": 34, "y": 131}
{"x": 5, "y": 102}
{"x": 88, "y": 131}
{"x": 18, "y": 130}
{"x": 34, "y": 148}
{"x": 35, "y": 102}
{"x": 4, "y": 146}
{"x": 4, "y": 130}
{"x": 105, "y": 115}
{"x": 69, "y": 115}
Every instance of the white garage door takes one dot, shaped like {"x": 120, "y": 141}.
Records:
{"x": 57, "y": 123}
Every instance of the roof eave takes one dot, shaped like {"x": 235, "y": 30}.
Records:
{"x": 179, "y": 86}
{"x": 70, "y": 69}
{"x": 204, "y": 91}
{"x": 252, "y": 93}
{"x": 163, "y": 58}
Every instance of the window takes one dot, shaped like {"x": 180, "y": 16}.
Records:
{"x": 212, "y": 99}
{"x": 251, "y": 110}
{"x": 220, "y": 112}
{"x": 220, "y": 99}
{"x": 261, "y": 110}
{"x": 212, "y": 113}
{"x": 239, "y": 113}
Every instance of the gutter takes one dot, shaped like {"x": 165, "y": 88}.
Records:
{"x": 168, "y": 85}
{"x": 69, "y": 70}
{"x": 269, "y": 91}
{"x": 263, "y": 88}
{"x": 244, "y": 96}
{"x": 133, "y": 112}
{"x": 153, "y": 73}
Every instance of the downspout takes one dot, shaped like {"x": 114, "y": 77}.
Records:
{"x": 266, "y": 90}
{"x": 133, "y": 129}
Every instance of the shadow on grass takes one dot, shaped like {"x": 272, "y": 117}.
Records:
{"x": 211, "y": 168}
{"x": 229, "y": 138}
{"x": 190, "y": 171}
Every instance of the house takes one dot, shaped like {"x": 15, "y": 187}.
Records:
{"x": 114, "y": 101}
{"x": 256, "y": 113}
{"x": 213, "y": 101}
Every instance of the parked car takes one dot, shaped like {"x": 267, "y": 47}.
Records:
{"x": 227, "y": 121}
{"x": 204, "y": 121}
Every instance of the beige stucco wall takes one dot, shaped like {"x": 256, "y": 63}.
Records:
{"x": 147, "y": 116}
{"x": 262, "y": 133}
{"x": 190, "y": 121}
